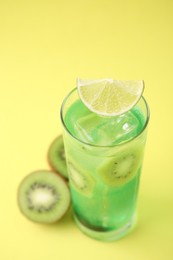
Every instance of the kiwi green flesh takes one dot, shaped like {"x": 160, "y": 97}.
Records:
{"x": 80, "y": 180}
{"x": 120, "y": 169}
{"x": 56, "y": 156}
{"x": 43, "y": 197}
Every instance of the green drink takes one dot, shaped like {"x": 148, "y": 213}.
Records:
{"x": 104, "y": 160}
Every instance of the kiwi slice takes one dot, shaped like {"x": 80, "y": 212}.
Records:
{"x": 120, "y": 169}
{"x": 56, "y": 156}
{"x": 43, "y": 197}
{"x": 80, "y": 180}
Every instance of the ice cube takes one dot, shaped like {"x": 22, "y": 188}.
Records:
{"x": 106, "y": 130}
{"x": 87, "y": 128}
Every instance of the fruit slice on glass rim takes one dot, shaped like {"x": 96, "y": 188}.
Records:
{"x": 108, "y": 97}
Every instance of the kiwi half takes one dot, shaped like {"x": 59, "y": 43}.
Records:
{"x": 80, "y": 180}
{"x": 43, "y": 197}
{"x": 120, "y": 169}
{"x": 56, "y": 156}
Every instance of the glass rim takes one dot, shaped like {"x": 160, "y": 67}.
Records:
{"x": 103, "y": 146}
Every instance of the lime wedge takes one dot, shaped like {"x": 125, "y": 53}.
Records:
{"x": 110, "y": 97}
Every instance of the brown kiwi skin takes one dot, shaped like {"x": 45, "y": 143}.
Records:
{"x": 53, "y": 222}
{"x": 50, "y": 164}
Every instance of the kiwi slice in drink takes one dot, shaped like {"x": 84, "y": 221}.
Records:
{"x": 80, "y": 180}
{"x": 56, "y": 156}
{"x": 43, "y": 197}
{"x": 120, "y": 169}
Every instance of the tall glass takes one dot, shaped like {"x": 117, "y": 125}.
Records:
{"x": 104, "y": 160}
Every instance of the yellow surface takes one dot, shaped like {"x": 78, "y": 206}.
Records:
{"x": 44, "y": 46}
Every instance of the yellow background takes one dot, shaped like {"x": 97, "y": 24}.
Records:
{"x": 44, "y": 46}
